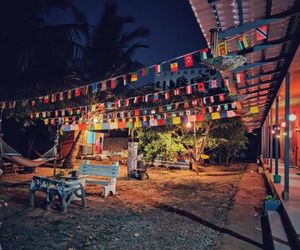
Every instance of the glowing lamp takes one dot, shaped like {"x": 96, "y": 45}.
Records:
{"x": 292, "y": 117}
{"x": 273, "y": 131}
{"x": 283, "y": 124}
{"x": 189, "y": 125}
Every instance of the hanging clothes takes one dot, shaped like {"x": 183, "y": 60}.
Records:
{"x": 91, "y": 137}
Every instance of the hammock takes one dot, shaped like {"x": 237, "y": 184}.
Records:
{"x": 11, "y": 154}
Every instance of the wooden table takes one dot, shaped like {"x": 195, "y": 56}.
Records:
{"x": 65, "y": 190}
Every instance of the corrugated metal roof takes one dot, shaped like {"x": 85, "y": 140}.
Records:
{"x": 271, "y": 56}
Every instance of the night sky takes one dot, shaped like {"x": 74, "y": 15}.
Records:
{"x": 173, "y": 26}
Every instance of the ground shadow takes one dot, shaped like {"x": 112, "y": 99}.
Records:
{"x": 209, "y": 224}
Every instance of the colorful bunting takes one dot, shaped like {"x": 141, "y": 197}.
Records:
{"x": 77, "y": 92}
{"x": 201, "y": 87}
{"x": 188, "y": 90}
{"x": 174, "y": 67}
{"x": 134, "y": 77}
{"x": 239, "y": 77}
{"x": 176, "y": 92}
{"x": 157, "y": 68}
{"x": 242, "y": 42}
{"x": 222, "y": 49}
{"x": 188, "y": 61}
{"x": 261, "y": 32}
{"x": 203, "y": 54}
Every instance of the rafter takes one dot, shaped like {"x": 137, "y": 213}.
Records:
{"x": 257, "y": 84}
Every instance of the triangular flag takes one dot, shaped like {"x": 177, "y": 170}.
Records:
{"x": 188, "y": 61}
{"x": 136, "y": 100}
{"x": 174, "y": 67}
{"x": 261, "y": 32}
{"x": 127, "y": 102}
{"x": 103, "y": 85}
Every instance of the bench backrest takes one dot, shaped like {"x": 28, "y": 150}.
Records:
{"x": 98, "y": 170}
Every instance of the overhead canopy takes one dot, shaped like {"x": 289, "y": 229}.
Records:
{"x": 267, "y": 60}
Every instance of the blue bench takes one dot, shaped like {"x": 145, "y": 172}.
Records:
{"x": 87, "y": 171}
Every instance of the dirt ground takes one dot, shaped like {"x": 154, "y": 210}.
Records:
{"x": 174, "y": 209}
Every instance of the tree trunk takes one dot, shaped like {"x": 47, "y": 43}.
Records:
{"x": 70, "y": 159}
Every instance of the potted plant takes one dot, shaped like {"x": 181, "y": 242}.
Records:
{"x": 271, "y": 203}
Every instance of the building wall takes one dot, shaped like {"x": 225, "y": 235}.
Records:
{"x": 294, "y": 109}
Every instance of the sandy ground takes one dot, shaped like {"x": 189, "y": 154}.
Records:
{"x": 172, "y": 210}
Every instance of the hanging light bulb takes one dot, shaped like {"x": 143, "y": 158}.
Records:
{"x": 189, "y": 125}
{"x": 292, "y": 117}
{"x": 283, "y": 124}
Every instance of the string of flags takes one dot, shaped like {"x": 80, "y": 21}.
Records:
{"x": 100, "y": 108}
{"x": 113, "y": 82}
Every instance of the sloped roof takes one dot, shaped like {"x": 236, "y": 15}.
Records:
{"x": 267, "y": 60}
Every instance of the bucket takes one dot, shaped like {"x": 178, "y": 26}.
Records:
{"x": 276, "y": 178}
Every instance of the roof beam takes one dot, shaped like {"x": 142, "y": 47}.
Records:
{"x": 240, "y": 10}
{"x": 259, "y": 64}
{"x": 248, "y": 78}
{"x": 259, "y": 90}
{"x": 257, "y": 23}
{"x": 257, "y": 84}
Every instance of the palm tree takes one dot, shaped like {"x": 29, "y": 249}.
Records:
{"x": 34, "y": 53}
{"x": 112, "y": 50}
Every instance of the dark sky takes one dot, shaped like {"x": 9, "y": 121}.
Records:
{"x": 174, "y": 28}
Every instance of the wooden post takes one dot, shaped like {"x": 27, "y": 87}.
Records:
{"x": 55, "y": 151}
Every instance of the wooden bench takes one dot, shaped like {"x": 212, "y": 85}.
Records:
{"x": 170, "y": 164}
{"x": 111, "y": 171}
{"x": 65, "y": 190}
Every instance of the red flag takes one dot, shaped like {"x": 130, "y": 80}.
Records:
{"x": 221, "y": 97}
{"x": 167, "y": 95}
{"x": 201, "y": 87}
{"x": 127, "y": 102}
{"x": 212, "y": 99}
{"x": 239, "y": 77}
{"x": 188, "y": 61}
{"x": 136, "y": 100}
{"x": 176, "y": 92}
{"x": 77, "y": 92}
{"x": 144, "y": 72}
{"x": 112, "y": 83}
{"x": 261, "y": 32}
{"x": 103, "y": 86}
{"x": 46, "y": 99}
{"x": 194, "y": 103}
{"x": 174, "y": 67}
{"x": 188, "y": 89}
